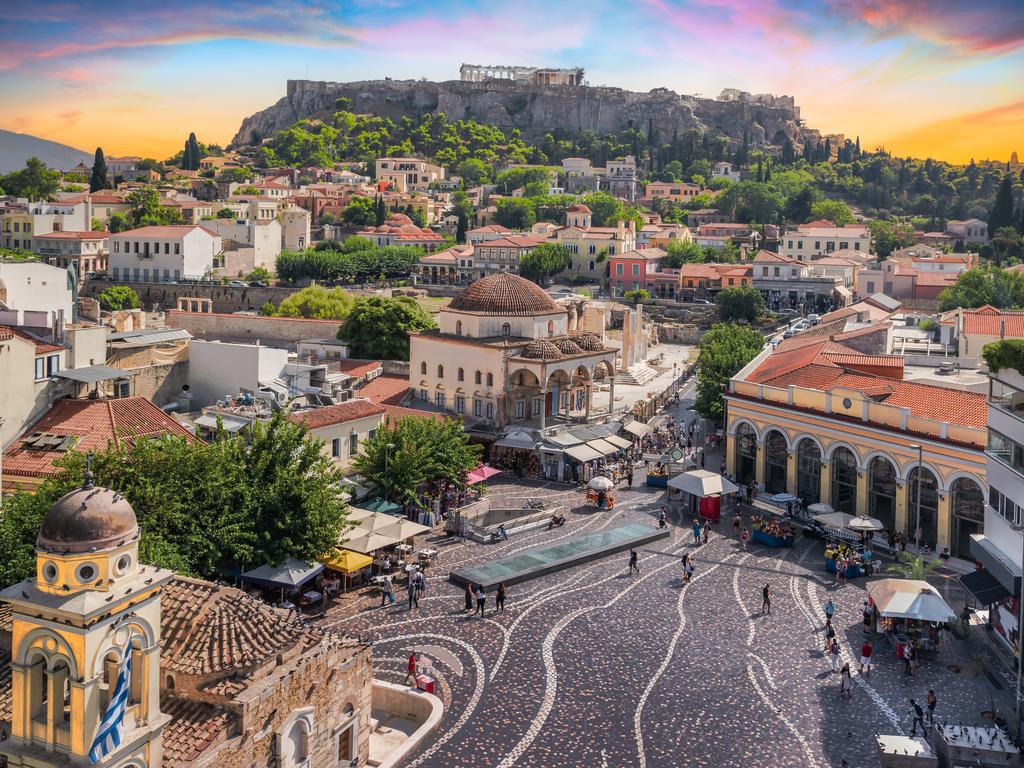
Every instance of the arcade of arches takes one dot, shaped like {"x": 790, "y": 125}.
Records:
{"x": 941, "y": 504}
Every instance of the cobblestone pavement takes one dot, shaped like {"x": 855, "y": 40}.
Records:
{"x": 594, "y": 667}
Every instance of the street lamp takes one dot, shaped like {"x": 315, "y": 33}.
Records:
{"x": 917, "y": 505}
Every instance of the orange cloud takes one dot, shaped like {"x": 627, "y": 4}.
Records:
{"x": 991, "y": 134}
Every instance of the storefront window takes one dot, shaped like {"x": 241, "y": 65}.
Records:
{"x": 928, "y": 521}
{"x": 844, "y": 481}
{"x": 746, "y": 453}
{"x": 775, "y": 458}
{"x": 882, "y": 491}
{"x": 808, "y": 471}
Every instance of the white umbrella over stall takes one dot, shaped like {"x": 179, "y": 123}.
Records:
{"x": 834, "y": 519}
{"x": 821, "y": 508}
{"x": 865, "y": 524}
{"x": 703, "y": 483}
{"x": 600, "y": 483}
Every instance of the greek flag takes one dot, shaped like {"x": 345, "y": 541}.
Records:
{"x": 111, "y": 730}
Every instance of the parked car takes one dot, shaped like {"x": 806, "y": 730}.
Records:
{"x": 700, "y": 301}
{"x": 814, "y": 319}
{"x": 258, "y": 284}
{"x": 238, "y": 284}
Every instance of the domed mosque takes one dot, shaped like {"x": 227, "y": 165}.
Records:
{"x": 212, "y": 670}
{"x": 506, "y": 353}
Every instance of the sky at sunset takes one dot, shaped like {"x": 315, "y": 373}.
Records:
{"x": 943, "y": 78}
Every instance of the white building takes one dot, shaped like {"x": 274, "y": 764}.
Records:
{"x": 1000, "y": 548}
{"x": 724, "y": 170}
{"x": 161, "y": 253}
{"x": 811, "y": 242}
{"x": 218, "y": 369}
{"x": 34, "y": 294}
{"x": 22, "y": 220}
{"x": 342, "y": 428}
{"x": 974, "y": 231}
{"x": 407, "y": 173}
{"x": 295, "y": 227}
{"x": 263, "y": 237}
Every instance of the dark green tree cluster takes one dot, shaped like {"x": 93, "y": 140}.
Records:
{"x": 355, "y": 260}
{"x": 205, "y": 510}
{"x": 546, "y": 260}
{"x": 146, "y": 210}
{"x": 1002, "y": 288}
{"x": 35, "y": 181}
{"x": 740, "y": 304}
{"x": 98, "y": 178}
{"x": 724, "y": 350}
{"x": 192, "y": 154}
{"x": 118, "y": 297}
{"x": 408, "y": 454}
{"x": 378, "y": 327}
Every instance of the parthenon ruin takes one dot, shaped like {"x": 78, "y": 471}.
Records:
{"x": 476, "y": 73}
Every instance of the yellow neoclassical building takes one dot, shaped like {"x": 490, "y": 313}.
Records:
{"x": 817, "y": 418}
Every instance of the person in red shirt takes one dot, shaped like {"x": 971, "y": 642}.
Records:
{"x": 865, "y": 657}
{"x": 412, "y": 669}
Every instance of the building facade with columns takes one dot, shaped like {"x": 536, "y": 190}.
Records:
{"x": 817, "y": 418}
{"x": 506, "y": 353}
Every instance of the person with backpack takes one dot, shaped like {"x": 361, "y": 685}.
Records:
{"x": 387, "y": 590}
{"x": 918, "y": 713}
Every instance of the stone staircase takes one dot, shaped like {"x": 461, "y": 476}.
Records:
{"x": 638, "y": 375}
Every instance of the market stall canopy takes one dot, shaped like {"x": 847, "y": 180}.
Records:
{"x": 621, "y": 442}
{"x": 346, "y": 561}
{"x": 480, "y": 474}
{"x": 360, "y": 540}
{"x": 703, "y": 482}
{"x": 582, "y": 453}
{"x": 601, "y": 483}
{"x": 821, "y": 508}
{"x": 402, "y": 529}
{"x": 291, "y": 574}
{"x": 517, "y": 438}
{"x": 865, "y": 524}
{"x": 834, "y": 519}
{"x": 358, "y": 514}
{"x": 381, "y": 505}
{"x": 637, "y": 428}
{"x": 784, "y": 498}
{"x": 564, "y": 439}
{"x": 909, "y": 599}
{"x": 374, "y": 522}
{"x": 603, "y": 447}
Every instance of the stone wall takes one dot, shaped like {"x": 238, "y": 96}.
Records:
{"x": 157, "y": 373}
{"x": 270, "y": 331}
{"x": 225, "y": 299}
{"x": 673, "y": 333}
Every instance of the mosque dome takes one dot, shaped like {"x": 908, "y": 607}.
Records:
{"x": 88, "y": 519}
{"x": 568, "y": 346}
{"x": 504, "y": 293}
{"x": 541, "y": 349}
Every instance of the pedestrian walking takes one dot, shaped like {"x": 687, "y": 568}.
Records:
{"x": 845, "y": 681}
{"x": 910, "y": 654}
{"x": 830, "y": 633}
{"x": 918, "y": 714}
{"x": 469, "y": 597}
{"x": 766, "y": 600}
{"x": 387, "y": 591}
{"x": 931, "y": 701}
{"x": 841, "y": 571}
{"x": 411, "y": 669}
{"x": 629, "y": 478}
{"x": 745, "y": 537}
{"x": 414, "y": 595}
{"x": 866, "y": 650}
{"x": 499, "y": 598}
{"x": 705, "y": 532}
{"x": 481, "y": 600}
{"x": 736, "y": 523}
{"x": 833, "y": 652}
{"x": 634, "y": 565}
{"x": 662, "y": 518}
{"x": 830, "y": 610}
{"x": 696, "y": 531}
{"x": 869, "y": 614}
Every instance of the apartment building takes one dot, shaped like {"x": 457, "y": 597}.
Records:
{"x": 809, "y": 242}
{"x": 406, "y": 173}
{"x": 87, "y": 249}
{"x": 162, "y": 253}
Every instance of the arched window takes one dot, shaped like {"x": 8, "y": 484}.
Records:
{"x": 458, "y": 328}
{"x": 296, "y": 746}
{"x": 882, "y": 491}
{"x": 506, "y": 330}
{"x": 440, "y": 371}
{"x": 476, "y": 378}
{"x": 423, "y": 368}
{"x": 808, "y": 471}
{"x": 551, "y": 327}
{"x": 746, "y": 453}
{"x": 844, "y": 481}
{"x": 968, "y": 514}
{"x": 462, "y": 375}
{"x": 927, "y": 491}
{"x": 490, "y": 379}
{"x": 60, "y": 687}
{"x": 775, "y": 458}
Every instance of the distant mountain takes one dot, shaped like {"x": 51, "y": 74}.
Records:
{"x": 16, "y": 148}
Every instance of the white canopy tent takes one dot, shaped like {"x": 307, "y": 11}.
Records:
{"x": 909, "y": 599}
{"x": 834, "y": 519}
{"x": 637, "y": 428}
{"x": 582, "y": 453}
{"x": 703, "y": 482}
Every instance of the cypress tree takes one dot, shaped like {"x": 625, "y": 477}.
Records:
{"x": 380, "y": 213}
{"x": 190, "y": 161}
{"x": 186, "y": 157}
{"x": 768, "y": 170}
{"x": 1002, "y": 210}
{"x": 858, "y": 147}
{"x": 760, "y": 172}
{"x": 98, "y": 178}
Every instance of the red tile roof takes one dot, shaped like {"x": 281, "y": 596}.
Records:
{"x": 94, "y": 424}
{"x": 42, "y": 347}
{"x": 74, "y": 236}
{"x": 989, "y": 321}
{"x": 166, "y": 230}
{"x": 194, "y": 726}
{"x": 512, "y": 242}
{"x": 315, "y": 418}
{"x": 935, "y": 278}
{"x": 385, "y": 390}
{"x": 357, "y": 368}
{"x": 767, "y": 257}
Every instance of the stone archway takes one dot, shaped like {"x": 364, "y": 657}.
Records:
{"x": 922, "y": 506}
{"x": 882, "y": 491}
{"x": 776, "y": 461}
{"x": 968, "y": 513}
{"x": 746, "y": 453}
{"x": 808, "y": 471}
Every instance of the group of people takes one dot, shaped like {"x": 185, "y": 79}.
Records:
{"x": 475, "y": 593}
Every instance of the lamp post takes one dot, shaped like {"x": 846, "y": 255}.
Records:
{"x": 917, "y": 504}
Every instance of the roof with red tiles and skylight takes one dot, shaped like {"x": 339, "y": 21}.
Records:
{"x": 990, "y": 321}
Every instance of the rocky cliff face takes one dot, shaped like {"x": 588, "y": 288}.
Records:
{"x": 533, "y": 109}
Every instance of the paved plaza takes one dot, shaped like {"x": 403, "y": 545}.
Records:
{"x": 594, "y": 667}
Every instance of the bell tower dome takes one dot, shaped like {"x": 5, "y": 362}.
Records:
{"x": 90, "y": 603}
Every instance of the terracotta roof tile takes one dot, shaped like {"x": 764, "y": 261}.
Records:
{"x": 194, "y": 726}
{"x": 989, "y": 321}
{"x": 330, "y": 415}
{"x": 357, "y": 368}
{"x": 42, "y": 347}
{"x": 504, "y": 294}
{"x": 93, "y": 424}
{"x": 166, "y": 230}
{"x": 385, "y": 390}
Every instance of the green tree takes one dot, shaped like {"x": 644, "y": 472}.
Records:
{"x": 683, "y": 252}
{"x": 1006, "y": 243}
{"x": 119, "y": 222}
{"x": 606, "y": 210}
{"x": 741, "y": 303}
{"x": 96, "y": 225}
{"x": 724, "y": 350}
{"x": 836, "y": 211}
{"x": 261, "y": 274}
{"x": 887, "y": 236}
{"x": 144, "y": 202}
{"x": 35, "y": 181}
{"x": 422, "y": 450}
{"x": 750, "y": 201}
{"x": 360, "y": 212}
{"x": 1001, "y": 214}
{"x": 380, "y": 211}
{"x": 98, "y": 178}
{"x": 515, "y": 212}
{"x": 913, "y": 567}
{"x": 798, "y": 206}
{"x": 546, "y": 260}
{"x": 118, "y": 297}
{"x": 474, "y": 172}
{"x": 192, "y": 155}
{"x": 637, "y": 296}
{"x": 317, "y": 302}
{"x": 378, "y": 327}
{"x": 977, "y": 287}
{"x": 225, "y": 213}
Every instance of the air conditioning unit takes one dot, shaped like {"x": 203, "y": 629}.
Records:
{"x": 122, "y": 388}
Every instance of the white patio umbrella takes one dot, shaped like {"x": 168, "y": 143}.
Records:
{"x": 821, "y": 508}
{"x": 834, "y": 519}
{"x": 865, "y": 524}
{"x": 402, "y": 529}
{"x": 601, "y": 483}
